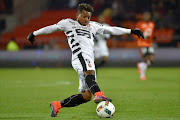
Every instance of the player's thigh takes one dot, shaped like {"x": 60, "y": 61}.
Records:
{"x": 151, "y": 53}
{"x": 87, "y": 62}
{"x": 88, "y": 65}
{"x": 79, "y": 69}
{"x": 81, "y": 65}
{"x": 151, "y": 50}
{"x": 144, "y": 51}
{"x": 147, "y": 54}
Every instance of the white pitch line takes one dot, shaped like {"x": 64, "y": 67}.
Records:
{"x": 24, "y": 84}
{"x": 53, "y": 84}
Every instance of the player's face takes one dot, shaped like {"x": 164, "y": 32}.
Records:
{"x": 84, "y": 17}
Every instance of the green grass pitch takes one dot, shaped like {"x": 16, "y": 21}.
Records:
{"x": 26, "y": 94}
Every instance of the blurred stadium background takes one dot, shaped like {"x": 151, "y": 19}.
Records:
{"x": 26, "y": 93}
{"x": 20, "y": 17}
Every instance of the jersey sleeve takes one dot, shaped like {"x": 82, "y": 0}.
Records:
{"x": 103, "y": 29}
{"x": 98, "y": 28}
{"x": 116, "y": 30}
{"x": 61, "y": 25}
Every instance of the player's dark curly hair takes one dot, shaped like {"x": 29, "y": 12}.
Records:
{"x": 86, "y": 7}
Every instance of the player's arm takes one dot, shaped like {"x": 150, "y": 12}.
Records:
{"x": 122, "y": 31}
{"x": 47, "y": 30}
{"x": 42, "y": 31}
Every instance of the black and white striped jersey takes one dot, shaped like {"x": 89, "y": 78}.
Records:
{"x": 80, "y": 38}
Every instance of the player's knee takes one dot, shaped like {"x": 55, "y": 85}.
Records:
{"x": 151, "y": 58}
{"x": 89, "y": 72}
{"x": 152, "y": 61}
{"x": 146, "y": 58}
{"x": 87, "y": 95}
{"x": 90, "y": 80}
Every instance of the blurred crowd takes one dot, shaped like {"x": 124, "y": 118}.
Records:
{"x": 165, "y": 13}
{"x": 6, "y": 6}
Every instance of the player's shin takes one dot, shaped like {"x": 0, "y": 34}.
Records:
{"x": 91, "y": 83}
{"x": 73, "y": 101}
{"x": 95, "y": 90}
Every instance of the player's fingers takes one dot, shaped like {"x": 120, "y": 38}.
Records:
{"x": 142, "y": 35}
{"x": 138, "y": 35}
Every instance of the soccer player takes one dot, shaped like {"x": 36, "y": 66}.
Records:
{"x": 146, "y": 44}
{"x": 80, "y": 34}
{"x": 100, "y": 45}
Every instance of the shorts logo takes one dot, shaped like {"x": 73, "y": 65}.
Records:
{"x": 89, "y": 63}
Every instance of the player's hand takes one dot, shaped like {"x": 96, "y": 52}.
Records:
{"x": 139, "y": 33}
{"x": 31, "y": 38}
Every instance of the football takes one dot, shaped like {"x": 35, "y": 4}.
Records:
{"x": 105, "y": 109}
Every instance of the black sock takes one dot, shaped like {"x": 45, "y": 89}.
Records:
{"x": 73, "y": 101}
{"x": 92, "y": 85}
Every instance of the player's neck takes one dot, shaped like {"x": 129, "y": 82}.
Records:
{"x": 80, "y": 23}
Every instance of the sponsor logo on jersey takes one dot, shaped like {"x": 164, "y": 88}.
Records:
{"x": 81, "y": 27}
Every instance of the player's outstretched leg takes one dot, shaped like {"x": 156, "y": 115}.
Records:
{"x": 71, "y": 101}
{"x": 95, "y": 90}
